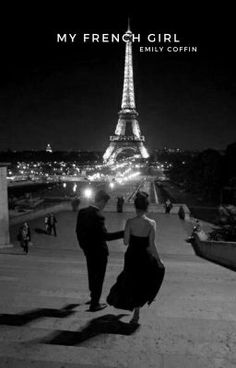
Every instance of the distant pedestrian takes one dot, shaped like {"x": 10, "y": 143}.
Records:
{"x": 75, "y": 203}
{"x": 168, "y": 206}
{"x": 47, "y": 224}
{"x": 197, "y": 226}
{"x": 24, "y": 237}
{"x": 198, "y": 230}
{"x": 120, "y": 204}
{"x": 52, "y": 224}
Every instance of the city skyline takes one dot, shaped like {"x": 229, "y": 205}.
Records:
{"x": 70, "y": 95}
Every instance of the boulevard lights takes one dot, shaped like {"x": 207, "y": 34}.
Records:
{"x": 96, "y": 176}
{"x": 126, "y": 172}
{"x": 119, "y": 166}
{"x": 131, "y": 176}
{"x": 111, "y": 185}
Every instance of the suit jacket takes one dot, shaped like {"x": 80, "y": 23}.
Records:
{"x": 92, "y": 233}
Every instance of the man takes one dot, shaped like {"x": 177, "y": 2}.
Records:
{"x": 168, "y": 206}
{"x": 92, "y": 236}
{"x": 24, "y": 236}
{"x": 75, "y": 203}
{"x": 120, "y": 203}
{"x": 52, "y": 224}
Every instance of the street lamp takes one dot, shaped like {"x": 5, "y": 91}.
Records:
{"x": 88, "y": 193}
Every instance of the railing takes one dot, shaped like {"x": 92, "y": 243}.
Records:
{"x": 125, "y": 138}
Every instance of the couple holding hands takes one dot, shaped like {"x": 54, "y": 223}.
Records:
{"x": 143, "y": 271}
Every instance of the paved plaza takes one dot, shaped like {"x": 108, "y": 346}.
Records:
{"x": 44, "y": 320}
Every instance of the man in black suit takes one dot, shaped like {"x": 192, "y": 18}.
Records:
{"x": 92, "y": 236}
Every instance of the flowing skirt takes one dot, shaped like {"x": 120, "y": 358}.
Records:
{"x": 139, "y": 282}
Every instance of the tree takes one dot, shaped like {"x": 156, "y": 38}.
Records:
{"x": 229, "y": 164}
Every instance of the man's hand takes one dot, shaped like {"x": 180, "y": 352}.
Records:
{"x": 160, "y": 263}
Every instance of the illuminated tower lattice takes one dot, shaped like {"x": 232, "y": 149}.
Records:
{"x": 127, "y": 134}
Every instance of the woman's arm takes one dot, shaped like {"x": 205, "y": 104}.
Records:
{"x": 127, "y": 233}
{"x": 101, "y": 230}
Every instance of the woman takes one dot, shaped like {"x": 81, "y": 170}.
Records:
{"x": 24, "y": 236}
{"x": 143, "y": 272}
{"x": 47, "y": 224}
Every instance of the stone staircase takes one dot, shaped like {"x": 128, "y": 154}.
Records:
{"x": 44, "y": 322}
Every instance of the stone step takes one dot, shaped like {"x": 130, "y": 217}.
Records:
{"x": 10, "y": 362}
{"x": 17, "y": 303}
{"x": 114, "y": 351}
{"x": 31, "y": 352}
{"x": 129, "y": 208}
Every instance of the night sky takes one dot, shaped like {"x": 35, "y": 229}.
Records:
{"x": 69, "y": 95}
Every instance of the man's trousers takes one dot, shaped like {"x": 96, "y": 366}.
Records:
{"x": 96, "y": 265}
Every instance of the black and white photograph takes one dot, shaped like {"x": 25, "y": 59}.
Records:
{"x": 117, "y": 186}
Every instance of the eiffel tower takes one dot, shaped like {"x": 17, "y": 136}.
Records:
{"x": 127, "y": 134}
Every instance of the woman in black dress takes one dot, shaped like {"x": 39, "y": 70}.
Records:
{"x": 143, "y": 272}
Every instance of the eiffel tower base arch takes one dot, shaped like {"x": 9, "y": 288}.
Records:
{"x": 116, "y": 148}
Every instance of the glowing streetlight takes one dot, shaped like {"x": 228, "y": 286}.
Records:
{"x": 88, "y": 193}
{"x": 111, "y": 185}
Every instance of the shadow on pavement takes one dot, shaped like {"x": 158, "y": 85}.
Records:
{"x": 108, "y": 324}
{"x": 22, "y": 319}
{"x": 38, "y": 230}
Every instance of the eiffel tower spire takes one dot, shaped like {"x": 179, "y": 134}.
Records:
{"x": 128, "y": 99}
{"x": 128, "y": 25}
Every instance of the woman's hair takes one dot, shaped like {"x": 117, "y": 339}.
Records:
{"x": 141, "y": 201}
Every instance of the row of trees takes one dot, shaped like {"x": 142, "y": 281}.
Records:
{"x": 208, "y": 174}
